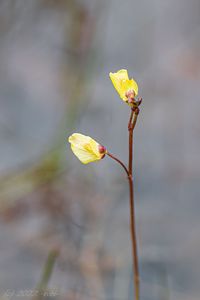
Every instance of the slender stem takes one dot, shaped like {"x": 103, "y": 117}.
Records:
{"x": 131, "y": 127}
{"x": 130, "y": 120}
{"x": 119, "y": 161}
{"x": 129, "y": 172}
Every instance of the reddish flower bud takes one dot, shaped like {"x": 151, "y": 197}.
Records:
{"x": 130, "y": 95}
{"x": 102, "y": 149}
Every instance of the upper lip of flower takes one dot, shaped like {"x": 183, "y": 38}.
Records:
{"x": 123, "y": 84}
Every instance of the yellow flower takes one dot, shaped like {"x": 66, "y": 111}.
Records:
{"x": 127, "y": 88}
{"x": 85, "y": 148}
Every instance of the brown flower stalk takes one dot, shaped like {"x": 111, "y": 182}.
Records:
{"x": 131, "y": 126}
{"x": 129, "y": 172}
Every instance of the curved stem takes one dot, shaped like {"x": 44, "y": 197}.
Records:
{"x": 120, "y": 162}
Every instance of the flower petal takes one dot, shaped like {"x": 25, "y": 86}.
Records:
{"x": 133, "y": 86}
{"x": 78, "y": 140}
{"x": 123, "y": 84}
{"x": 85, "y": 148}
{"x": 118, "y": 79}
{"x": 83, "y": 155}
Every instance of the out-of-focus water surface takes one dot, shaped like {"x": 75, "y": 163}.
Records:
{"x": 55, "y": 59}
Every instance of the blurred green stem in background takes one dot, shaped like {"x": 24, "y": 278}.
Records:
{"x": 46, "y": 274}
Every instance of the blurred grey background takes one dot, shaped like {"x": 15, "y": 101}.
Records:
{"x": 55, "y": 57}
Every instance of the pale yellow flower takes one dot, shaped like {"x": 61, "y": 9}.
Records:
{"x": 85, "y": 148}
{"x": 127, "y": 88}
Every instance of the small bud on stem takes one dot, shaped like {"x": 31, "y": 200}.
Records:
{"x": 102, "y": 150}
